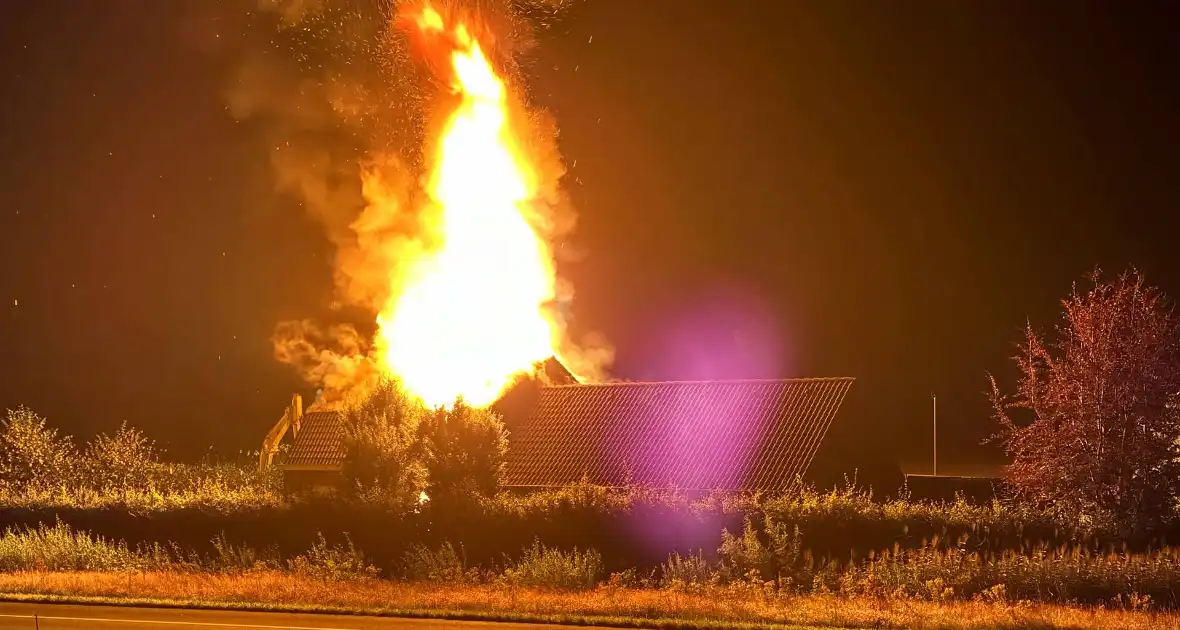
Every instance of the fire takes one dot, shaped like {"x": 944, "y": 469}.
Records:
{"x": 470, "y": 314}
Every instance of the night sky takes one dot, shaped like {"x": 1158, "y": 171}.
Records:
{"x": 885, "y": 190}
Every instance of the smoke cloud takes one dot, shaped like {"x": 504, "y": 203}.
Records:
{"x": 346, "y": 112}
{"x": 337, "y": 357}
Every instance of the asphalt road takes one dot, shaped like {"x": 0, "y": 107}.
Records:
{"x": 63, "y": 617}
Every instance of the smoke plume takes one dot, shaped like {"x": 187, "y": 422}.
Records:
{"x": 342, "y": 102}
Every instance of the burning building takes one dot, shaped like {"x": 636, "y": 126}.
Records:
{"x": 460, "y": 272}
{"x": 754, "y": 435}
{"x": 454, "y": 251}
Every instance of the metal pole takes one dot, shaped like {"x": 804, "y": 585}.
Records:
{"x": 934, "y": 398}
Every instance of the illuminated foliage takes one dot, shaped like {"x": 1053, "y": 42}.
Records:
{"x": 397, "y": 449}
{"x": 383, "y": 462}
{"x": 125, "y": 460}
{"x": 32, "y": 454}
{"x": 1092, "y": 426}
{"x": 465, "y": 448}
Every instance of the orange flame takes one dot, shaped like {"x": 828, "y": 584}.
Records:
{"x": 467, "y": 317}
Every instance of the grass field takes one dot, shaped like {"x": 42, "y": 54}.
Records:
{"x": 119, "y": 523}
{"x": 605, "y": 605}
{"x": 931, "y": 589}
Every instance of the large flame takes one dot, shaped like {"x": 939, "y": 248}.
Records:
{"x": 470, "y": 315}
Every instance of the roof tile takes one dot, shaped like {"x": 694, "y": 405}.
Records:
{"x": 733, "y": 435}
{"x": 320, "y": 441}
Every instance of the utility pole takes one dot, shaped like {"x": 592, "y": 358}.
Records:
{"x": 934, "y": 399}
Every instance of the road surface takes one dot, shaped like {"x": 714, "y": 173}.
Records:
{"x": 66, "y": 617}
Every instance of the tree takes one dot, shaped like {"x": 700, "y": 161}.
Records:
{"x": 32, "y": 455}
{"x": 124, "y": 461}
{"x": 398, "y": 449}
{"x": 1100, "y": 424}
{"x": 464, "y": 449}
{"x": 383, "y": 461}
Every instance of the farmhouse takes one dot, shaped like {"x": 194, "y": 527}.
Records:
{"x": 723, "y": 435}
{"x": 707, "y": 435}
{"x": 315, "y": 458}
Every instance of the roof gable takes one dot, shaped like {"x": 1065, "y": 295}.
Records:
{"x": 731, "y": 435}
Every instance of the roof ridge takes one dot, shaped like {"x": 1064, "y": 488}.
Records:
{"x": 624, "y": 383}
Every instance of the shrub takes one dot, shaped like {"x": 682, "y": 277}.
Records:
{"x": 240, "y": 477}
{"x": 124, "y": 461}
{"x": 397, "y": 450}
{"x": 383, "y": 461}
{"x": 547, "y": 567}
{"x": 686, "y": 570}
{"x": 464, "y": 450}
{"x": 333, "y": 562}
{"x": 443, "y": 565}
{"x": 745, "y": 556}
{"x": 32, "y": 455}
{"x": 1099, "y": 440}
{"x": 39, "y": 468}
{"x": 227, "y": 556}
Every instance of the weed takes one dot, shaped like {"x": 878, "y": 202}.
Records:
{"x": 333, "y": 562}
{"x": 692, "y": 569}
{"x": 443, "y": 565}
{"x": 547, "y": 567}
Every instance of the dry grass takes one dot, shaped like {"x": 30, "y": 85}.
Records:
{"x": 605, "y": 605}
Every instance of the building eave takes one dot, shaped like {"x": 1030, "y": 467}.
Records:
{"x": 312, "y": 468}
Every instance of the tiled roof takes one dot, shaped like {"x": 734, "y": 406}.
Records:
{"x": 730, "y": 435}
{"x": 319, "y": 442}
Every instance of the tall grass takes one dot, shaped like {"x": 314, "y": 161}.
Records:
{"x": 59, "y": 548}
{"x": 618, "y": 606}
{"x": 844, "y": 540}
{"x": 40, "y": 468}
{"x": 1049, "y": 575}
{"x": 443, "y": 565}
{"x": 840, "y": 525}
{"x": 936, "y": 572}
{"x": 1060, "y": 576}
{"x": 333, "y": 562}
{"x": 545, "y": 567}
{"x": 538, "y": 566}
